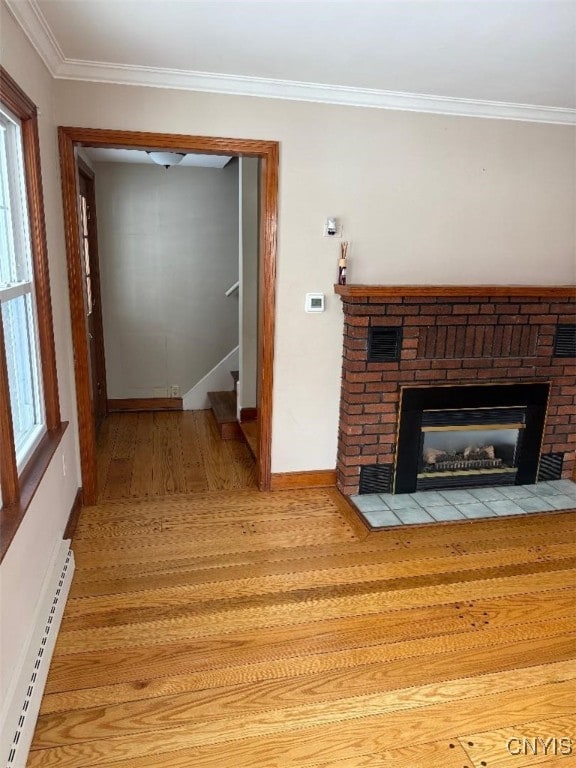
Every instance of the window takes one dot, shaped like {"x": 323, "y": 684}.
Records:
{"x": 17, "y": 299}
{"x": 30, "y": 427}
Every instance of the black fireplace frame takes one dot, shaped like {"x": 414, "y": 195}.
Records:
{"x": 414, "y": 400}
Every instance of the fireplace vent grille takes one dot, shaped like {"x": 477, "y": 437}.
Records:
{"x": 550, "y": 467}
{"x": 376, "y": 478}
{"x": 473, "y": 417}
{"x": 565, "y": 341}
{"x": 384, "y": 344}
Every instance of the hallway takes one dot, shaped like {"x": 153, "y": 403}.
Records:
{"x": 149, "y": 454}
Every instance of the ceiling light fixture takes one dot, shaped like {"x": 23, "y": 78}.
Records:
{"x": 166, "y": 159}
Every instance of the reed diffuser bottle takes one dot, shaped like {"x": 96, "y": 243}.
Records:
{"x": 342, "y": 263}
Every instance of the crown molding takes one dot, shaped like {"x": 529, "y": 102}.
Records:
{"x": 236, "y": 85}
{"x": 29, "y": 16}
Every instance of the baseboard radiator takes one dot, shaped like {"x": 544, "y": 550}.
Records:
{"x": 23, "y": 710}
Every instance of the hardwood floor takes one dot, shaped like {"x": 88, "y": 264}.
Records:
{"x": 143, "y": 455}
{"x": 238, "y": 629}
{"x": 250, "y": 432}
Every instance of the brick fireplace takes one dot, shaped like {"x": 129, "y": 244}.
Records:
{"x": 406, "y": 339}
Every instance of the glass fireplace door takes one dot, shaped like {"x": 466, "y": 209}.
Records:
{"x": 464, "y": 450}
{"x": 469, "y": 436}
{"x": 467, "y": 447}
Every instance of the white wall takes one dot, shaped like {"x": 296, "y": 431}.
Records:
{"x": 168, "y": 249}
{"x": 249, "y": 252}
{"x": 25, "y": 565}
{"x": 423, "y": 198}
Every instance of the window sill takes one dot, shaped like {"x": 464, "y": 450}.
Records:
{"x": 11, "y": 516}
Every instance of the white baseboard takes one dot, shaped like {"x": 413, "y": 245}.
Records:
{"x": 22, "y": 704}
{"x": 215, "y": 380}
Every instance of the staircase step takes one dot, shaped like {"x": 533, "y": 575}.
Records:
{"x": 223, "y": 406}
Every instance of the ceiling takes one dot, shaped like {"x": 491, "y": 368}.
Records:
{"x": 493, "y": 58}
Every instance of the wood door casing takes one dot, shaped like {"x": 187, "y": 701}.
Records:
{"x": 268, "y": 152}
{"x": 91, "y": 291}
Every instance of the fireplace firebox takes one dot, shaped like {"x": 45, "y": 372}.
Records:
{"x": 469, "y": 436}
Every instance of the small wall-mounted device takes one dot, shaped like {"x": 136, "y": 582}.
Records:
{"x": 314, "y": 302}
{"x": 332, "y": 227}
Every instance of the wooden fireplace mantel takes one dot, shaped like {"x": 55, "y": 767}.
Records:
{"x": 387, "y": 291}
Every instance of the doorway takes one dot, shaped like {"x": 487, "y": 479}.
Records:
{"x": 72, "y": 138}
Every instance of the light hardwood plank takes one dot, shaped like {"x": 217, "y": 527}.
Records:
{"x": 105, "y": 447}
{"x": 141, "y": 483}
{"x": 385, "y": 720}
{"x": 160, "y": 575}
{"x": 242, "y": 460}
{"x": 170, "y": 546}
{"x": 271, "y": 692}
{"x": 168, "y": 473}
{"x": 231, "y": 502}
{"x": 270, "y": 653}
{"x": 555, "y": 762}
{"x": 278, "y": 560}
{"x": 193, "y": 464}
{"x": 122, "y": 458}
{"x": 438, "y": 754}
{"x": 205, "y": 621}
{"x": 238, "y": 584}
{"x": 538, "y": 741}
{"x": 220, "y": 474}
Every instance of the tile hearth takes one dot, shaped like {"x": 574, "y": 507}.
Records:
{"x": 386, "y": 510}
